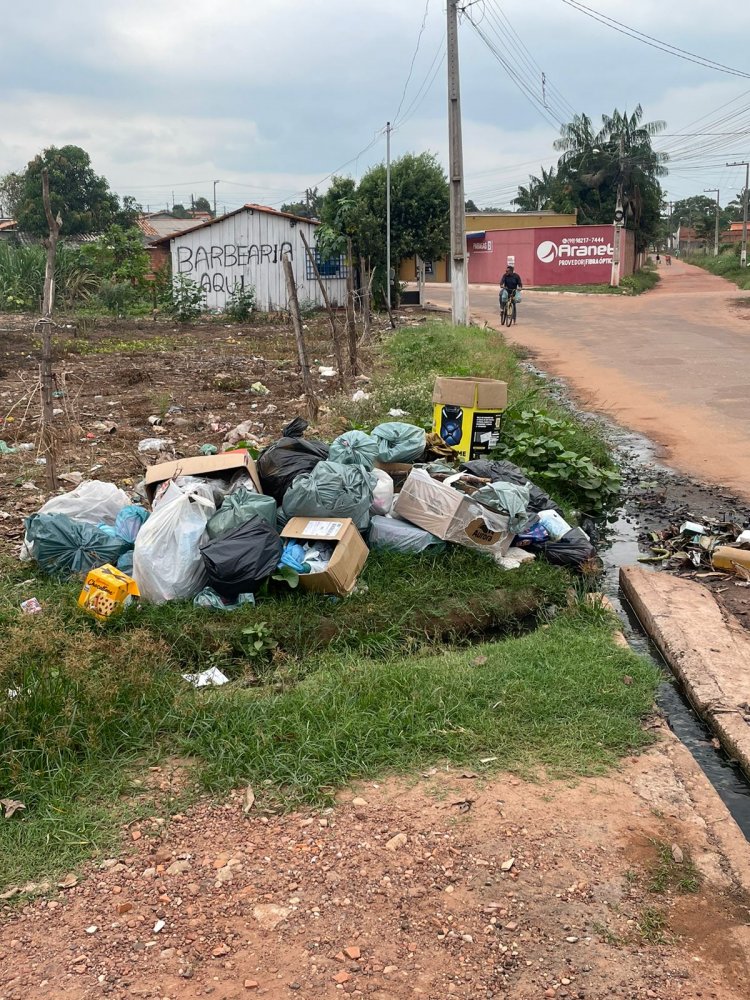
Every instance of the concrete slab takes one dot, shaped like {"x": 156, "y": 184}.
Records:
{"x": 705, "y": 648}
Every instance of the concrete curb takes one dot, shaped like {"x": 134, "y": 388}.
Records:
{"x": 707, "y": 653}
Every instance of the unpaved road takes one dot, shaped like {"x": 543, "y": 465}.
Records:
{"x": 495, "y": 888}
{"x": 673, "y": 364}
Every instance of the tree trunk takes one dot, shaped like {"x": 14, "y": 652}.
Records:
{"x": 337, "y": 346}
{"x": 366, "y": 291}
{"x": 46, "y": 376}
{"x": 351, "y": 326}
{"x": 307, "y": 382}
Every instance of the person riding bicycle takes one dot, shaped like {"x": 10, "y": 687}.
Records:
{"x": 510, "y": 283}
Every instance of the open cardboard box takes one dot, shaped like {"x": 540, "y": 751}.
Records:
{"x": 349, "y": 555}
{"x": 203, "y": 465}
{"x": 451, "y": 516}
{"x": 468, "y": 412}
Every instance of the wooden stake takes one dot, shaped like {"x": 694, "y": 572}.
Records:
{"x": 351, "y": 326}
{"x": 47, "y": 378}
{"x": 307, "y": 382}
{"x": 366, "y": 289}
{"x": 337, "y": 346}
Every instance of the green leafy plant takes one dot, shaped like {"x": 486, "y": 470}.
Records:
{"x": 259, "y": 644}
{"x": 185, "y": 298}
{"x": 240, "y": 304}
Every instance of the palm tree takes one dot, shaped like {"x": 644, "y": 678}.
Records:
{"x": 540, "y": 193}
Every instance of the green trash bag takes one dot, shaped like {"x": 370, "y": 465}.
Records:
{"x": 64, "y": 547}
{"x": 355, "y": 448}
{"x": 399, "y": 442}
{"x": 239, "y": 507}
{"x": 331, "y": 490}
{"x": 506, "y": 498}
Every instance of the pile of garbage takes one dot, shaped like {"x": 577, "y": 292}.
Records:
{"x": 709, "y": 545}
{"x": 215, "y": 528}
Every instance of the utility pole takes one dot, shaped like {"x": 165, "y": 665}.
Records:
{"x": 614, "y": 280}
{"x": 388, "y": 210}
{"x": 743, "y": 251}
{"x": 459, "y": 270}
{"x": 215, "y": 183}
{"x": 718, "y": 209}
{"x": 670, "y": 239}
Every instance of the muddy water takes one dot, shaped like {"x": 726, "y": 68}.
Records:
{"x": 621, "y": 549}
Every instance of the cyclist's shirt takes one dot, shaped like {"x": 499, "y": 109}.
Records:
{"x": 511, "y": 281}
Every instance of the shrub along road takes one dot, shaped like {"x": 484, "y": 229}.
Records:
{"x": 671, "y": 363}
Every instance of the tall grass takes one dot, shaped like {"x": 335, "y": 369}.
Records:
{"x": 22, "y": 277}
{"x": 726, "y": 265}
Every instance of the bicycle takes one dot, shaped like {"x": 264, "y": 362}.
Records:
{"x": 508, "y": 310}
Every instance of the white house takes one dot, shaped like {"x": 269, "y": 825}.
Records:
{"x": 245, "y": 249}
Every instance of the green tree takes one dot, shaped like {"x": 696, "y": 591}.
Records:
{"x": 81, "y": 196}
{"x": 203, "y": 205}
{"x": 11, "y": 187}
{"x": 310, "y": 208}
{"x": 118, "y": 256}
{"x": 471, "y": 205}
{"x": 540, "y": 194}
{"x": 179, "y": 212}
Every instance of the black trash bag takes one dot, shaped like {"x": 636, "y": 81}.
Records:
{"x": 239, "y": 562}
{"x": 64, "y": 547}
{"x": 573, "y": 550}
{"x": 507, "y": 472}
{"x": 281, "y": 462}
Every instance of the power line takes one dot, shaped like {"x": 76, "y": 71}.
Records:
{"x": 425, "y": 88}
{"x": 654, "y": 43}
{"x": 413, "y": 59}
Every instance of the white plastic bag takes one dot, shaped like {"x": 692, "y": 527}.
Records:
{"x": 554, "y": 524}
{"x": 167, "y": 564}
{"x": 382, "y": 494}
{"x": 93, "y": 502}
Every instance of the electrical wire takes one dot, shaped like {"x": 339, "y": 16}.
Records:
{"x": 425, "y": 87}
{"x": 654, "y": 43}
{"x": 413, "y": 59}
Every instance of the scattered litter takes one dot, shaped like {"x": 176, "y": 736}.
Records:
{"x": 92, "y": 929}
{"x": 327, "y": 372}
{"x": 209, "y": 598}
{"x": 248, "y": 799}
{"x": 31, "y": 607}
{"x": 159, "y": 926}
{"x": 155, "y": 421}
{"x": 259, "y": 389}
{"x": 40, "y": 461}
{"x": 5, "y": 449}
{"x": 74, "y": 478}
{"x": 212, "y": 677}
{"x": 107, "y": 591}
{"x": 208, "y": 449}
{"x": 27, "y": 446}
{"x": 360, "y": 396}
{"x": 105, "y": 426}
{"x": 398, "y": 413}
{"x": 155, "y": 444}
{"x": 11, "y": 807}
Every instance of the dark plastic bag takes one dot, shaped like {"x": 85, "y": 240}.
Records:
{"x": 239, "y": 507}
{"x": 281, "y": 462}
{"x": 508, "y": 472}
{"x": 64, "y": 547}
{"x": 331, "y": 490}
{"x": 573, "y": 550}
{"x": 239, "y": 562}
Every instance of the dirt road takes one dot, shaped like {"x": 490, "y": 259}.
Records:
{"x": 625, "y": 886}
{"x": 673, "y": 363}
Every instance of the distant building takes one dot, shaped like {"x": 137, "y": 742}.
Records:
{"x": 245, "y": 248}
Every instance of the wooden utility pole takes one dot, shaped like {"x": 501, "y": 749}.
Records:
{"x": 337, "y": 347}
{"x": 307, "y": 382}
{"x": 46, "y": 376}
{"x": 388, "y": 211}
{"x": 717, "y": 192}
{"x": 459, "y": 269}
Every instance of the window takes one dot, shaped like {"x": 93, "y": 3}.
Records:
{"x": 332, "y": 267}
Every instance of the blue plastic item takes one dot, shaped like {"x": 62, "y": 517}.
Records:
{"x": 399, "y": 442}
{"x": 355, "y": 448}
{"x": 129, "y": 522}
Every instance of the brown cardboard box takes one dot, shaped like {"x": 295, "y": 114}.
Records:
{"x": 476, "y": 393}
{"x": 350, "y": 553}
{"x": 203, "y": 465}
{"x": 451, "y": 516}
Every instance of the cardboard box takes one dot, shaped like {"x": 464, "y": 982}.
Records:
{"x": 107, "y": 591}
{"x": 204, "y": 465}
{"x": 468, "y": 413}
{"x": 452, "y": 516}
{"x": 349, "y": 556}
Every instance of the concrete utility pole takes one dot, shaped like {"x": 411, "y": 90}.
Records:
{"x": 459, "y": 269}
{"x": 718, "y": 209}
{"x": 614, "y": 280}
{"x": 215, "y": 183}
{"x": 743, "y": 251}
{"x": 388, "y": 210}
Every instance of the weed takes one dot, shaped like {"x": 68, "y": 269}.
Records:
{"x": 185, "y": 298}
{"x": 651, "y": 924}
{"x": 607, "y": 935}
{"x": 669, "y": 874}
{"x": 240, "y": 304}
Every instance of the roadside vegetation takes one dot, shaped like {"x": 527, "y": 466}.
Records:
{"x": 726, "y": 265}
{"x": 632, "y": 284}
{"x": 435, "y": 657}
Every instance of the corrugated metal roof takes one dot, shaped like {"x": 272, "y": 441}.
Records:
{"x": 250, "y": 206}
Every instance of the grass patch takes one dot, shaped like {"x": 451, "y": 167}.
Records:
{"x": 651, "y": 924}
{"x": 632, "y": 284}
{"x": 670, "y": 875}
{"x": 726, "y": 265}
{"x": 84, "y": 713}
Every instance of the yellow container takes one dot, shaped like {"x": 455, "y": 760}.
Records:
{"x": 107, "y": 591}
{"x": 468, "y": 413}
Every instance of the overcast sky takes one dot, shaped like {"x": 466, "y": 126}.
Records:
{"x": 269, "y": 97}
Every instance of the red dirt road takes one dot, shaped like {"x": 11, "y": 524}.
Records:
{"x": 673, "y": 364}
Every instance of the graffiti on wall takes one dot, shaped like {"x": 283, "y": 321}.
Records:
{"x": 211, "y": 266}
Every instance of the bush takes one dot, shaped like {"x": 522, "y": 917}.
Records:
{"x": 240, "y": 304}
{"x": 185, "y": 298}
{"x": 116, "y": 298}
